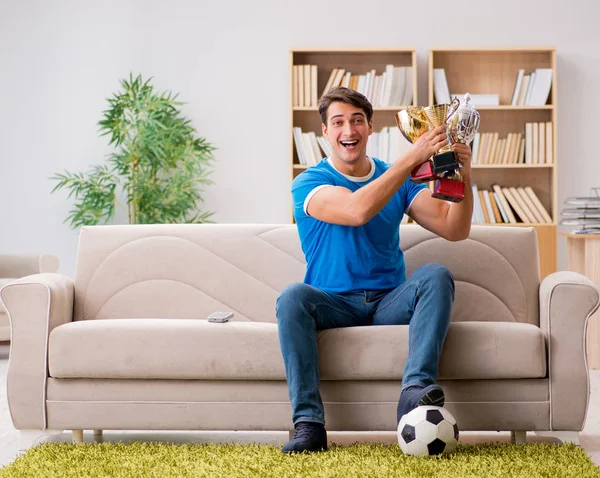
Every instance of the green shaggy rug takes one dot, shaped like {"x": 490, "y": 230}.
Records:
{"x": 360, "y": 460}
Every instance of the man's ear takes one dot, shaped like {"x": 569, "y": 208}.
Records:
{"x": 324, "y": 129}
{"x": 370, "y": 127}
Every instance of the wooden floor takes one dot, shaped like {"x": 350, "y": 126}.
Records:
{"x": 9, "y": 437}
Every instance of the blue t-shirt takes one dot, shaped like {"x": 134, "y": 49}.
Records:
{"x": 347, "y": 258}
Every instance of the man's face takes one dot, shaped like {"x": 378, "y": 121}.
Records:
{"x": 347, "y": 131}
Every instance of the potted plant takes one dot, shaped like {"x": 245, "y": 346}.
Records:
{"x": 160, "y": 166}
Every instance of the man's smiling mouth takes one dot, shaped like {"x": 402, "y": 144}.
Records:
{"x": 348, "y": 144}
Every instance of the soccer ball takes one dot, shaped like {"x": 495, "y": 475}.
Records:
{"x": 427, "y": 430}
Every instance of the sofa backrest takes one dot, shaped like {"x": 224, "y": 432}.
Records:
{"x": 189, "y": 271}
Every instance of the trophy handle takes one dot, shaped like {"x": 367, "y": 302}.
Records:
{"x": 453, "y": 107}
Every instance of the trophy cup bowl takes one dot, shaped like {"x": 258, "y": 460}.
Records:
{"x": 463, "y": 124}
{"x": 412, "y": 124}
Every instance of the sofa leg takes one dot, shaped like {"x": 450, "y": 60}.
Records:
{"x": 518, "y": 436}
{"x": 98, "y": 438}
{"x": 563, "y": 436}
{"x": 77, "y": 436}
{"x": 30, "y": 438}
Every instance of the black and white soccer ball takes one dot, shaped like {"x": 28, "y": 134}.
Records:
{"x": 428, "y": 430}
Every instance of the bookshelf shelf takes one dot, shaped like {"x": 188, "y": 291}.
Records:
{"x": 487, "y": 71}
{"x": 512, "y": 166}
{"x": 510, "y": 107}
{"x": 375, "y": 108}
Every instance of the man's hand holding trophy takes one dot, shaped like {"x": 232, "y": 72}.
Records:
{"x": 462, "y": 122}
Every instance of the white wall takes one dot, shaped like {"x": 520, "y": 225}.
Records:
{"x": 60, "y": 60}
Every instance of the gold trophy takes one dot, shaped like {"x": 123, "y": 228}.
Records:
{"x": 412, "y": 123}
{"x": 416, "y": 120}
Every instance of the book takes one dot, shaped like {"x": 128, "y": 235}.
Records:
{"x": 498, "y": 190}
{"x": 541, "y": 87}
{"x": 517, "y": 88}
{"x": 495, "y": 208}
{"x": 440, "y": 86}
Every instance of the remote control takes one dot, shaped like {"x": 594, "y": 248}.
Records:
{"x": 220, "y": 317}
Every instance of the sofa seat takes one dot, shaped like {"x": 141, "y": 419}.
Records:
{"x": 183, "y": 349}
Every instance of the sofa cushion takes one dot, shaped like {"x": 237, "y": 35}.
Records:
{"x": 196, "y": 349}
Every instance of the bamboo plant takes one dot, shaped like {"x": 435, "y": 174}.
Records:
{"x": 159, "y": 165}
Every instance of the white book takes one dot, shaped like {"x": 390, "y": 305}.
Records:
{"x": 311, "y": 160}
{"x": 523, "y": 90}
{"x": 541, "y": 87}
{"x": 518, "y": 81}
{"x": 478, "y": 217}
{"x": 376, "y": 90}
{"x": 400, "y": 85}
{"x": 346, "y": 79}
{"x": 408, "y": 92}
{"x": 440, "y": 86}
{"x": 389, "y": 86}
{"x": 530, "y": 87}
{"x": 367, "y": 87}
{"x": 382, "y": 87}
{"x": 384, "y": 144}
{"x": 362, "y": 82}
{"x": 315, "y": 146}
{"x": 475, "y": 148}
{"x": 371, "y": 91}
{"x": 393, "y": 134}
{"x": 299, "y": 142}
{"x": 325, "y": 146}
{"x": 500, "y": 207}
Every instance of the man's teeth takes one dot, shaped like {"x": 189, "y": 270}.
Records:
{"x": 349, "y": 143}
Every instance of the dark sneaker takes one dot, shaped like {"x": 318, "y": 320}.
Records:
{"x": 414, "y": 396}
{"x": 307, "y": 437}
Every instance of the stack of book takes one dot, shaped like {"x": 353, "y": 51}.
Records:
{"x": 532, "y": 146}
{"x": 304, "y": 82}
{"x": 584, "y": 213}
{"x": 530, "y": 89}
{"x": 394, "y": 87}
{"x": 508, "y": 205}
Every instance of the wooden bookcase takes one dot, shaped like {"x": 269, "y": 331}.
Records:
{"x": 357, "y": 61}
{"x": 473, "y": 70}
{"x": 493, "y": 71}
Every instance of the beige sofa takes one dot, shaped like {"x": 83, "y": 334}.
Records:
{"x": 125, "y": 345}
{"x": 19, "y": 265}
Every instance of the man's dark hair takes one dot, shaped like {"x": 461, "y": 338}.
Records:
{"x": 345, "y": 95}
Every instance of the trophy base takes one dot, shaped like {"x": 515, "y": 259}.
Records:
{"x": 444, "y": 162}
{"x": 423, "y": 173}
{"x": 449, "y": 190}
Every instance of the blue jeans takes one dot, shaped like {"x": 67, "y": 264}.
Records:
{"x": 424, "y": 302}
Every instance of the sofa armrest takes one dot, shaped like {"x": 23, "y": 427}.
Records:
{"x": 21, "y": 265}
{"x": 36, "y": 304}
{"x": 567, "y": 300}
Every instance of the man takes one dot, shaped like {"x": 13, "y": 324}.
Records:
{"x": 348, "y": 210}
